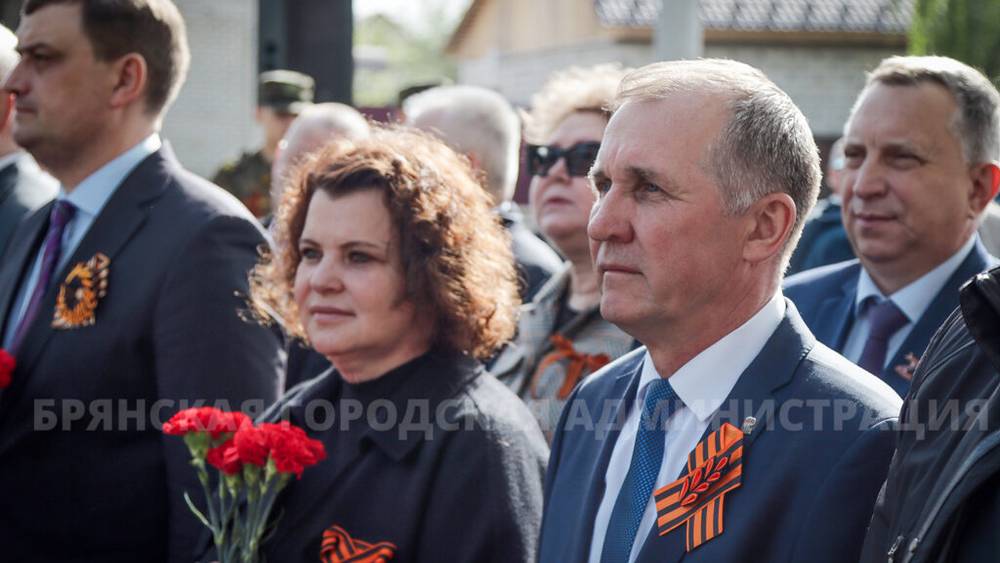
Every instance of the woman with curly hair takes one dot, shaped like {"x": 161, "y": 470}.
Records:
{"x": 561, "y": 337}
{"x": 391, "y": 264}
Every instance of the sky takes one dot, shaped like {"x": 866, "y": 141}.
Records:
{"x": 408, "y": 12}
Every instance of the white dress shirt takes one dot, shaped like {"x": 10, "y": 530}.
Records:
{"x": 912, "y": 300}
{"x": 89, "y": 198}
{"x": 703, "y": 384}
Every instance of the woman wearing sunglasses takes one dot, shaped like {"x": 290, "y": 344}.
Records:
{"x": 561, "y": 335}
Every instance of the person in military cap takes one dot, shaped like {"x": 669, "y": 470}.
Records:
{"x": 281, "y": 96}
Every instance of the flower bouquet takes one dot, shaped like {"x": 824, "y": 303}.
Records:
{"x": 254, "y": 462}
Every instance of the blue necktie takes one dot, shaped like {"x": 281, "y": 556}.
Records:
{"x": 661, "y": 402}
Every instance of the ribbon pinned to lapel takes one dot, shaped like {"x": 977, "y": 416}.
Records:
{"x": 79, "y": 295}
{"x": 339, "y": 547}
{"x": 715, "y": 467}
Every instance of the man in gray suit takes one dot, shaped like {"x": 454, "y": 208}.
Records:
{"x": 23, "y": 187}
{"x": 120, "y": 300}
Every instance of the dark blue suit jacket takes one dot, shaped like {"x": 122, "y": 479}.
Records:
{"x": 826, "y": 298}
{"x": 810, "y": 475}
{"x": 104, "y": 484}
{"x": 824, "y": 240}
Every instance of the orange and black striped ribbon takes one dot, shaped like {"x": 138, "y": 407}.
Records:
{"x": 577, "y": 363}
{"x": 715, "y": 467}
{"x": 339, "y": 547}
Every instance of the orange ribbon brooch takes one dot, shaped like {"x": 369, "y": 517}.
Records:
{"x": 577, "y": 362}
{"x": 339, "y": 547}
{"x": 714, "y": 468}
{"x": 85, "y": 286}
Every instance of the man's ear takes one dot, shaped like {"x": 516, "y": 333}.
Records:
{"x": 985, "y": 184}
{"x": 769, "y": 224}
{"x": 131, "y": 77}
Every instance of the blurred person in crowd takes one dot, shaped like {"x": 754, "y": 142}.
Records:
{"x": 920, "y": 150}
{"x": 824, "y": 240}
{"x": 483, "y": 126}
{"x": 561, "y": 336}
{"x": 23, "y": 186}
{"x": 119, "y": 301}
{"x": 704, "y": 177}
{"x": 941, "y": 501}
{"x": 316, "y": 126}
{"x": 391, "y": 263}
{"x": 281, "y": 96}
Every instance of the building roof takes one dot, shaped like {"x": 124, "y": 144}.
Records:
{"x": 855, "y": 16}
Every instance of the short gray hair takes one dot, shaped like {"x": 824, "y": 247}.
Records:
{"x": 471, "y": 119}
{"x": 766, "y": 147}
{"x": 977, "y": 121}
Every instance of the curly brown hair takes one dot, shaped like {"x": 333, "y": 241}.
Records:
{"x": 456, "y": 254}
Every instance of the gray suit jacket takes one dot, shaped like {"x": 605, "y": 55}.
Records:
{"x": 23, "y": 189}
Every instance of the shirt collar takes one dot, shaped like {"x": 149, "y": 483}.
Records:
{"x": 913, "y": 299}
{"x": 707, "y": 379}
{"x": 95, "y": 190}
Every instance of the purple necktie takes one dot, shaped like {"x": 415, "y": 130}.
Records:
{"x": 62, "y": 213}
{"x": 884, "y": 319}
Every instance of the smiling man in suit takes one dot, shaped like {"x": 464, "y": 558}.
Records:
{"x": 119, "y": 300}
{"x": 731, "y": 435}
{"x": 921, "y": 166}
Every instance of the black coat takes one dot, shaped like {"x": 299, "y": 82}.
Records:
{"x": 105, "y": 485}
{"x": 941, "y": 501}
{"x": 535, "y": 259}
{"x": 467, "y": 487}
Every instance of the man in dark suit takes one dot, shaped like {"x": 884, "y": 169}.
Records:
{"x": 482, "y": 125}
{"x": 120, "y": 301}
{"x": 23, "y": 187}
{"x": 921, "y": 169}
{"x": 731, "y": 435}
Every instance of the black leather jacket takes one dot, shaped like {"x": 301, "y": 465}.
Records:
{"x": 941, "y": 501}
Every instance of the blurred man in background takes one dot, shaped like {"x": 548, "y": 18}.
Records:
{"x": 281, "y": 97}
{"x": 921, "y": 151}
{"x": 482, "y": 125}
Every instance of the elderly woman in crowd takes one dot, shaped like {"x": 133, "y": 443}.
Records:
{"x": 392, "y": 265}
{"x": 561, "y": 336}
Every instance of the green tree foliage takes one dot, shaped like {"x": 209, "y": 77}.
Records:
{"x": 967, "y": 30}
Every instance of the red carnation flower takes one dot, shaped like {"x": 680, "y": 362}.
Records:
{"x": 293, "y": 451}
{"x": 205, "y": 419}
{"x": 252, "y": 444}
{"x": 225, "y": 458}
{"x": 7, "y": 365}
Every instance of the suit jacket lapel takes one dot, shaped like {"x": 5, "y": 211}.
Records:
{"x": 943, "y": 304}
{"x": 623, "y": 390}
{"x": 772, "y": 369}
{"x": 111, "y": 230}
{"x": 835, "y": 315}
{"x": 17, "y": 260}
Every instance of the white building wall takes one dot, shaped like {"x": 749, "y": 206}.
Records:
{"x": 823, "y": 80}
{"x": 212, "y": 119}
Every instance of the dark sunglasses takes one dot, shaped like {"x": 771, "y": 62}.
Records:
{"x": 579, "y": 158}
